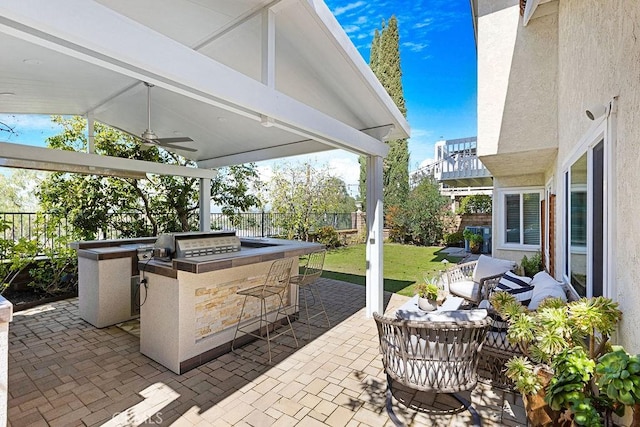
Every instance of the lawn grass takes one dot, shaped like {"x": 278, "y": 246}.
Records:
{"x": 404, "y": 265}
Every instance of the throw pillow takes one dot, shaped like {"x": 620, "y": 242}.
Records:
{"x": 488, "y": 266}
{"x": 518, "y": 286}
{"x": 545, "y": 286}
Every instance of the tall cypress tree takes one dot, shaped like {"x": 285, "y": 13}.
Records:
{"x": 374, "y": 65}
{"x": 385, "y": 63}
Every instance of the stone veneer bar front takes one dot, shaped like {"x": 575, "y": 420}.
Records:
{"x": 188, "y": 306}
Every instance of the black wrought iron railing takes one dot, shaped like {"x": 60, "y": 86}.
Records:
{"x": 30, "y": 225}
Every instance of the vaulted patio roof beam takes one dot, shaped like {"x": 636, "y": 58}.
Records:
{"x": 169, "y": 64}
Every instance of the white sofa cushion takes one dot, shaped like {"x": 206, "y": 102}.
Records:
{"x": 545, "y": 286}
{"x": 473, "y": 315}
{"x": 488, "y": 266}
{"x": 467, "y": 289}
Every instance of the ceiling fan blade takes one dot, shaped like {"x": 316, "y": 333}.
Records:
{"x": 176, "y": 139}
{"x": 176, "y": 147}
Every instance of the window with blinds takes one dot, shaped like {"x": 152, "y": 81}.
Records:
{"x": 522, "y": 217}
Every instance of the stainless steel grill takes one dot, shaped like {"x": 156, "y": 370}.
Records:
{"x": 192, "y": 245}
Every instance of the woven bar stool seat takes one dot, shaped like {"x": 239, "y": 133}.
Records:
{"x": 265, "y": 326}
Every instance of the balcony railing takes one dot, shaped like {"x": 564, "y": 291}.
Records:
{"x": 460, "y": 167}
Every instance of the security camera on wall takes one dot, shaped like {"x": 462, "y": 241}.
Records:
{"x": 595, "y": 111}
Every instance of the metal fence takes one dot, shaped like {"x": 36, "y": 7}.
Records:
{"x": 267, "y": 224}
{"x": 29, "y": 225}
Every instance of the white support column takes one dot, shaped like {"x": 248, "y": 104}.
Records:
{"x": 269, "y": 48}
{"x": 91, "y": 143}
{"x": 375, "y": 268}
{"x": 205, "y": 204}
{"x": 6, "y": 315}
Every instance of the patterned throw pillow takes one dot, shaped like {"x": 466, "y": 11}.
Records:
{"x": 518, "y": 286}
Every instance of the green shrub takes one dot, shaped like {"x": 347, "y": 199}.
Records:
{"x": 453, "y": 239}
{"x": 57, "y": 275}
{"x": 532, "y": 265}
{"x": 479, "y": 203}
{"x": 421, "y": 219}
{"x": 328, "y": 236}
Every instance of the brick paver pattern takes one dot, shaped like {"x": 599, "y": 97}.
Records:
{"x": 65, "y": 372}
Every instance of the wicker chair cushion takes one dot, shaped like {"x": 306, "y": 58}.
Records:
{"x": 443, "y": 316}
{"x": 467, "y": 289}
{"x": 488, "y": 266}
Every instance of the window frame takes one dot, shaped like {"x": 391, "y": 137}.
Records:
{"x": 502, "y": 244}
{"x": 603, "y": 130}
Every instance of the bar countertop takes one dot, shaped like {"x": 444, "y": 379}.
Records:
{"x": 252, "y": 251}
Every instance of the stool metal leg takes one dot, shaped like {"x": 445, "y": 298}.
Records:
{"x": 316, "y": 291}
{"x": 235, "y": 335}
{"x": 315, "y": 295}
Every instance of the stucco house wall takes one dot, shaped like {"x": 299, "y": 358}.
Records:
{"x": 534, "y": 85}
{"x": 517, "y": 92}
{"x": 599, "y": 58}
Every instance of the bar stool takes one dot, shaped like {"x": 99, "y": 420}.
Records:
{"x": 276, "y": 284}
{"x": 311, "y": 271}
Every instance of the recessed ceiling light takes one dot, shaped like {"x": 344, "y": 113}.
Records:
{"x": 32, "y": 61}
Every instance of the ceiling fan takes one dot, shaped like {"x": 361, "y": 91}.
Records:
{"x": 149, "y": 137}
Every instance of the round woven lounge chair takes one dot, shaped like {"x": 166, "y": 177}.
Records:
{"x": 436, "y": 355}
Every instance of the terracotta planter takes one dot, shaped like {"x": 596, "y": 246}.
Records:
{"x": 426, "y": 304}
{"x": 538, "y": 412}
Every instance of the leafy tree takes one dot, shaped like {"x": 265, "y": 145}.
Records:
{"x": 18, "y": 190}
{"x": 301, "y": 193}
{"x": 384, "y": 61}
{"x": 158, "y": 203}
{"x": 422, "y": 219}
{"x": 478, "y": 203}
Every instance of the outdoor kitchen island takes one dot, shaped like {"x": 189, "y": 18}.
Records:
{"x": 189, "y": 306}
{"x": 187, "y": 290}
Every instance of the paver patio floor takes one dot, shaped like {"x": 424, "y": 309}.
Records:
{"x": 65, "y": 372}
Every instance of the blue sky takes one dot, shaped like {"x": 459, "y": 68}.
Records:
{"x": 438, "y": 59}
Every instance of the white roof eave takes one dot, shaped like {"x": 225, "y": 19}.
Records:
{"x": 331, "y": 25}
{"x": 62, "y": 26}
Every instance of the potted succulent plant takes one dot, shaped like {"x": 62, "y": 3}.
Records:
{"x": 475, "y": 241}
{"x": 428, "y": 295}
{"x": 568, "y": 373}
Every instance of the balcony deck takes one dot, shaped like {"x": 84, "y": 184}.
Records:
{"x": 65, "y": 372}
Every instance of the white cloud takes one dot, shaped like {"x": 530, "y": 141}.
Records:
{"x": 351, "y": 29}
{"x": 341, "y": 163}
{"x": 415, "y": 47}
{"x": 425, "y": 23}
{"x": 265, "y": 172}
{"x": 426, "y": 162}
{"x": 362, "y": 20}
{"x": 27, "y": 121}
{"x": 347, "y": 7}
